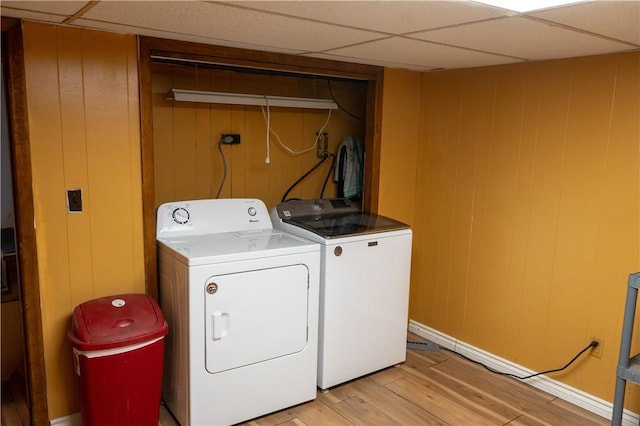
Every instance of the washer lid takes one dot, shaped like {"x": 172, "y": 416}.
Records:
{"x": 332, "y": 218}
{"x": 234, "y": 246}
{"x": 336, "y": 226}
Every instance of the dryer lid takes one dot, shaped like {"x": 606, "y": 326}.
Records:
{"x": 234, "y": 246}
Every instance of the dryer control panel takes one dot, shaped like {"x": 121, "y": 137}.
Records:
{"x": 199, "y": 217}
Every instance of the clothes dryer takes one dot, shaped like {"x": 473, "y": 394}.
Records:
{"x": 241, "y": 301}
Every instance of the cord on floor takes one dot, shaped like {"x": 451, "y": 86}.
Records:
{"x": 593, "y": 344}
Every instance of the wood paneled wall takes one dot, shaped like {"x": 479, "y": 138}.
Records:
{"x": 401, "y": 117}
{"x": 187, "y": 160}
{"x": 527, "y": 211}
{"x": 82, "y": 96}
{"x": 525, "y": 203}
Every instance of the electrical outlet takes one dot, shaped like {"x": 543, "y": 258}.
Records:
{"x": 231, "y": 138}
{"x": 597, "y": 351}
{"x": 323, "y": 144}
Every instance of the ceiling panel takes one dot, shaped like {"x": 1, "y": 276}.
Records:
{"x": 65, "y": 8}
{"x": 415, "y": 34}
{"x": 228, "y": 23}
{"x": 126, "y": 29}
{"x": 391, "y": 17}
{"x": 429, "y": 55}
{"x": 34, "y": 16}
{"x": 524, "y": 38}
{"x": 616, "y": 19}
{"x": 46, "y": 11}
{"x": 379, "y": 62}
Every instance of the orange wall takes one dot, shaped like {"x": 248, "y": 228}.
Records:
{"x": 187, "y": 161}
{"x": 82, "y": 96}
{"x": 400, "y": 135}
{"x": 526, "y": 208}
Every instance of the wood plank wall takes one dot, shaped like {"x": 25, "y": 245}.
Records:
{"x": 401, "y": 117}
{"x": 527, "y": 210}
{"x": 84, "y": 125}
{"x": 82, "y": 90}
{"x": 525, "y": 201}
{"x": 187, "y": 161}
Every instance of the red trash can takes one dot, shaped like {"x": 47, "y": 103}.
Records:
{"x": 118, "y": 349}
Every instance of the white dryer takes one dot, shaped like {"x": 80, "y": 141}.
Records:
{"x": 241, "y": 300}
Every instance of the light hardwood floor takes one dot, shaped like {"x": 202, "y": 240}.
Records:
{"x": 15, "y": 411}
{"x": 433, "y": 388}
{"x": 430, "y": 388}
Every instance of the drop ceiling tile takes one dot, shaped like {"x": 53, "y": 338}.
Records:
{"x": 391, "y": 17}
{"x": 65, "y": 8}
{"x": 46, "y": 11}
{"x": 525, "y": 38}
{"x": 231, "y": 24}
{"x": 615, "y": 19}
{"x": 31, "y": 16}
{"x": 126, "y": 29}
{"x": 379, "y": 63}
{"x": 463, "y": 33}
{"x": 408, "y": 51}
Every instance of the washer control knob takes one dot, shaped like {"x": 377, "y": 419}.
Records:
{"x": 252, "y": 211}
{"x": 337, "y": 251}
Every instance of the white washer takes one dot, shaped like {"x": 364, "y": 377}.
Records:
{"x": 241, "y": 300}
{"x": 364, "y": 285}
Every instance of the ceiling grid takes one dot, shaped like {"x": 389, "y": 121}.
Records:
{"x": 416, "y": 35}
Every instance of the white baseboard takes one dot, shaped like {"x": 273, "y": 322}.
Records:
{"x": 70, "y": 420}
{"x": 570, "y": 394}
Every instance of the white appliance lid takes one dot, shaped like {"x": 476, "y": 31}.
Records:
{"x": 207, "y": 249}
{"x": 333, "y": 218}
{"x": 347, "y": 225}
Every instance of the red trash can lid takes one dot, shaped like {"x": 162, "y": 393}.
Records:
{"x": 116, "y": 321}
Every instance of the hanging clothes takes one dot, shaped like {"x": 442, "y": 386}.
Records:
{"x": 349, "y": 168}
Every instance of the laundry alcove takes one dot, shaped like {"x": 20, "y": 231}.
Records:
{"x": 182, "y": 158}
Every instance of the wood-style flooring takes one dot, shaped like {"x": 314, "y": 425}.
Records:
{"x": 15, "y": 410}
{"x": 434, "y": 388}
{"x": 430, "y": 388}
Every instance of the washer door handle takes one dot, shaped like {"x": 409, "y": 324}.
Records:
{"x": 220, "y": 322}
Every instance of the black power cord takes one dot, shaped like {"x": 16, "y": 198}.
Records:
{"x": 224, "y": 139}
{"x": 284, "y": 197}
{"x": 340, "y": 106}
{"x": 326, "y": 179}
{"x": 593, "y": 344}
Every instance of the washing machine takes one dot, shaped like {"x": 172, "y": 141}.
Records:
{"x": 241, "y": 301}
{"x": 364, "y": 285}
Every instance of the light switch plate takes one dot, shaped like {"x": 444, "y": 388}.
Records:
{"x": 74, "y": 200}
